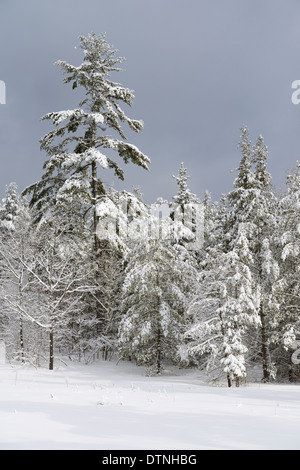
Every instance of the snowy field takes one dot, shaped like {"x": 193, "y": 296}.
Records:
{"x": 109, "y": 406}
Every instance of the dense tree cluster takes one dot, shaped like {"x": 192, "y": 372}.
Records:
{"x": 86, "y": 270}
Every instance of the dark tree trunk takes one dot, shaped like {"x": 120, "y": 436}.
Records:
{"x": 95, "y": 219}
{"x": 159, "y": 352}
{"x": 21, "y": 332}
{"x": 264, "y": 346}
{"x": 51, "y": 349}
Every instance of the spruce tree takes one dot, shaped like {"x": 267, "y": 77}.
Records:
{"x": 223, "y": 304}
{"x": 187, "y": 213}
{"x": 253, "y": 203}
{"x": 286, "y": 289}
{"x": 157, "y": 278}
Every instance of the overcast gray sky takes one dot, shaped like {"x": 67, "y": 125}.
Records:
{"x": 200, "y": 70}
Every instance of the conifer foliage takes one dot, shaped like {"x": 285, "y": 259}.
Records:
{"x": 154, "y": 304}
{"x": 89, "y": 271}
{"x": 79, "y": 144}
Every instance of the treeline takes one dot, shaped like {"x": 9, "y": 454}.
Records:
{"x": 88, "y": 271}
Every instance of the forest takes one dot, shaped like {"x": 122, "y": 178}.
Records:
{"x": 90, "y": 272}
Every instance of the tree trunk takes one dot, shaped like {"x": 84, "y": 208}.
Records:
{"x": 264, "y": 345}
{"x": 229, "y": 382}
{"x": 159, "y": 352}
{"x": 95, "y": 218}
{"x": 292, "y": 370}
{"x": 21, "y": 330}
{"x": 51, "y": 349}
{"x": 21, "y": 333}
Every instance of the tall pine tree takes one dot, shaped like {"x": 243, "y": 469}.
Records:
{"x": 79, "y": 143}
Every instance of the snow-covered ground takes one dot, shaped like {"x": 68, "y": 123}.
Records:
{"x": 109, "y": 406}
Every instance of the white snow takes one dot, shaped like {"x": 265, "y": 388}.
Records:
{"x": 114, "y": 406}
{"x": 94, "y": 155}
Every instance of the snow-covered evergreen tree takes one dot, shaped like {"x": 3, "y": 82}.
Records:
{"x": 184, "y": 195}
{"x": 285, "y": 305}
{"x": 83, "y": 141}
{"x": 187, "y": 213}
{"x": 223, "y": 306}
{"x": 154, "y": 302}
{"x": 253, "y": 203}
{"x": 245, "y": 247}
{"x": 79, "y": 143}
{"x": 13, "y": 206}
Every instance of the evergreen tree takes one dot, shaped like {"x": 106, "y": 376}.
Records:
{"x": 253, "y": 203}
{"x": 285, "y": 305}
{"x": 13, "y": 206}
{"x": 154, "y": 301}
{"x": 184, "y": 195}
{"x": 187, "y": 214}
{"x": 82, "y": 141}
{"x": 223, "y": 306}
